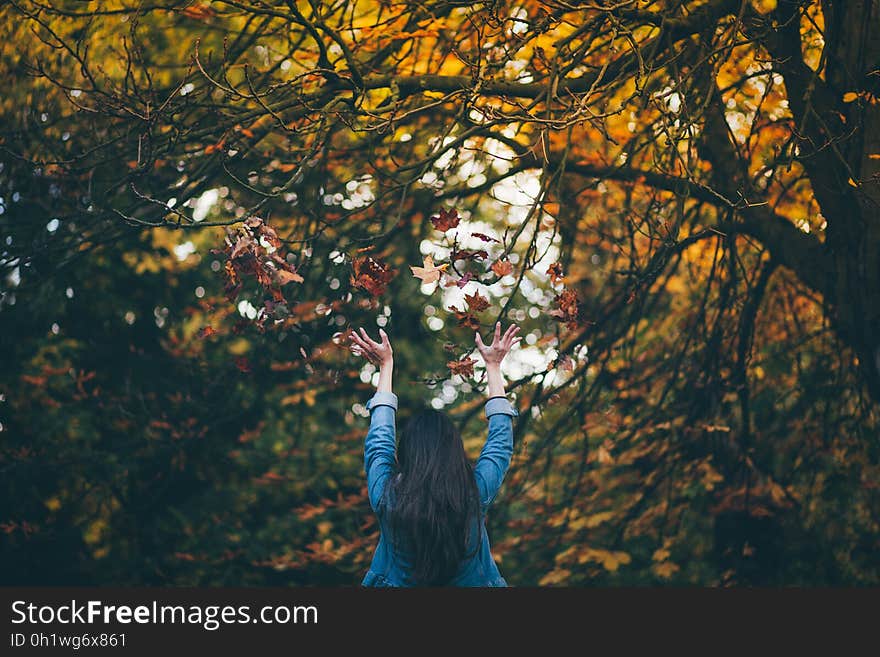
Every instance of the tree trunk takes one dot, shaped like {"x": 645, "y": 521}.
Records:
{"x": 837, "y": 124}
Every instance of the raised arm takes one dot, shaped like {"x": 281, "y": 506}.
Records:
{"x": 379, "y": 460}
{"x": 496, "y": 453}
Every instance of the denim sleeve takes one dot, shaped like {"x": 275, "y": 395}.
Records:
{"x": 495, "y": 456}
{"x": 379, "y": 461}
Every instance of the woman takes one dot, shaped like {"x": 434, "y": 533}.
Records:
{"x": 431, "y": 503}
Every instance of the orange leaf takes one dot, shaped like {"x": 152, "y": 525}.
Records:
{"x": 285, "y": 277}
{"x": 213, "y": 148}
{"x": 502, "y": 267}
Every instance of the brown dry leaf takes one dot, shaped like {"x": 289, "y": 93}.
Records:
{"x": 371, "y": 274}
{"x": 554, "y": 271}
{"x": 476, "y": 302}
{"x": 464, "y": 367}
{"x": 241, "y": 246}
{"x": 430, "y": 272}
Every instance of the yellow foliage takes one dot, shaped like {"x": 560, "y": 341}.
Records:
{"x": 764, "y": 6}
{"x": 610, "y": 561}
{"x": 307, "y": 396}
{"x": 556, "y": 576}
{"x": 591, "y": 521}
{"x": 94, "y": 531}
{"x": 239, "y": 347}
{"x": 665, "y": 569}
{"x": 660, "y": 554}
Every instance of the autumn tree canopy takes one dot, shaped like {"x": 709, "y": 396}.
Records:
{"x": 678, "y": 201}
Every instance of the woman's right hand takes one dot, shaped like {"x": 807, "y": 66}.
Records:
{"x": 501, "y": 345}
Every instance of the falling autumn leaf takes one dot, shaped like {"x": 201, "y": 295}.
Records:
{"x": 566, "y": 309}
{"x": 466, "y": 319}
{"x": 446, "y": 220}
{"x": 468, "y": 254}
{"x": 502, "y": 267}
{"x": 371, "y": 274}
{"x": 476, "y": 302}
{"x": 429, "y": 273}
{"x": 463, "y": 367}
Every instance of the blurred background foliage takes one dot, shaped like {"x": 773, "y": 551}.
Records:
{"x": 198, "y": 199}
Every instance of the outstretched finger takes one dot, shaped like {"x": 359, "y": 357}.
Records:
{"x": 480, "y": 341}
{"x": 358, "y": 340}
{"x": 508, "y": 334}
{"x": 368, "y": 339}
{"x": 497, "y": 333}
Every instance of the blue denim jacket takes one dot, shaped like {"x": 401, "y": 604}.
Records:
{"x": 386, "y": 568}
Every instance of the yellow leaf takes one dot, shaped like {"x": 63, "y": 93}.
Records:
{"x": 850, "y": 96}
{"x": 853, "y": 182}
{"x": 53, "y": 504}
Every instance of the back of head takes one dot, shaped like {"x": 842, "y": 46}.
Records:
{"x": 436, "y": 502}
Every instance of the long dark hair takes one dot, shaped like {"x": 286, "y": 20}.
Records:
{"x": 435, "y": 505}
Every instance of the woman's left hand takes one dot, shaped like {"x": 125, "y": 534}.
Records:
{"x": 378, "y": 353}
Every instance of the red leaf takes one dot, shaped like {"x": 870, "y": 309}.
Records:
{"x": 445, "y": 220}
{"x": 468, "y": 254}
